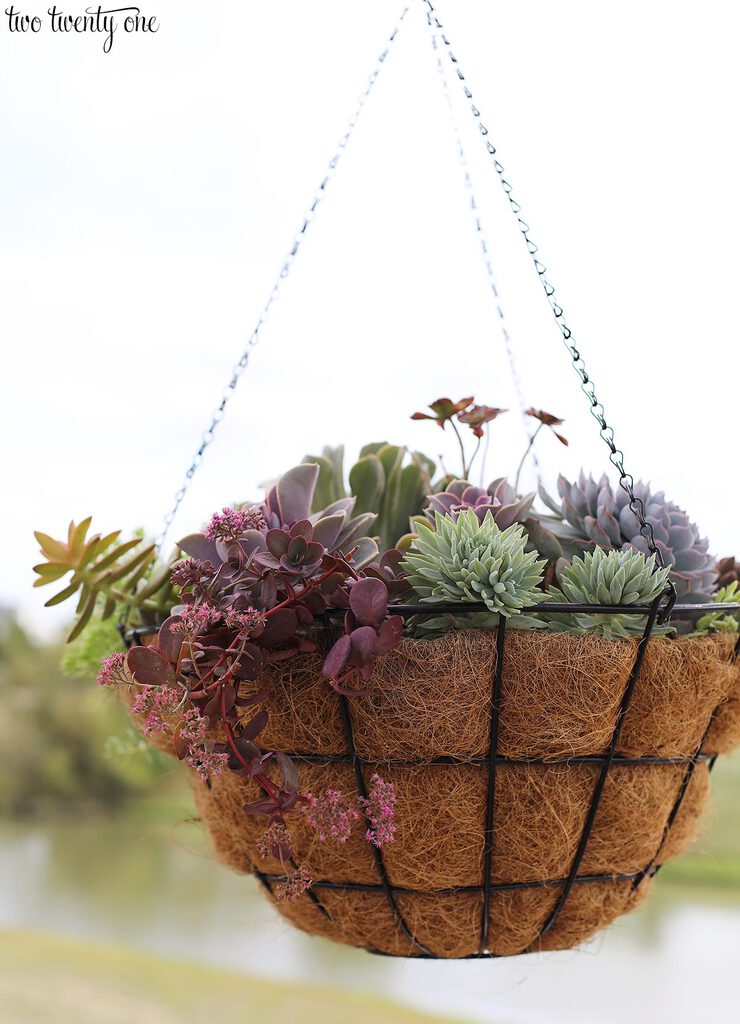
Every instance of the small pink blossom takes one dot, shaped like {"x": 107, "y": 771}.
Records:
{"x": 331, "y": 814}
{"x": 190, "y": 572}
{"x": 193, "y": 727}
{"x": 379, "y": 808}
{"x": 158, "y": 705}
{"x": 275, "y": 842}
{"x": 296, "y": 883}
{"x": 207, "y": 763}
{"x": 197, "y": 619}
{"x": 249, "y": 622}
{"x": 232, "y": 522}
{"x": 113, "y": 670}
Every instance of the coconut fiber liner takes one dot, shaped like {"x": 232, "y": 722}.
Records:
{"x": 569, "y": 832}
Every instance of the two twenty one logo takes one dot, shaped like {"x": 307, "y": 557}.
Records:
{"x": 94, "y": 20}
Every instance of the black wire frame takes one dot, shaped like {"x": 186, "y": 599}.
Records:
{"x": 657, "y": 612}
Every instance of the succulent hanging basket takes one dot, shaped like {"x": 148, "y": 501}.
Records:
{"x": 542, "y": 744}
{"x": 541, "y": 783}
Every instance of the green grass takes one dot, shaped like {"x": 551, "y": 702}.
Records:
{"x": 45, "y": 980}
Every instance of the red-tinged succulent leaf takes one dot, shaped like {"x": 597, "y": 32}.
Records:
{"x": 314, "y": 604}
{"x": 265, "y": 806}
{"x": 280, "y": 628}
{"x": 198, "y": 546}
{"x": 563, "y": 440}
{"x": 389, "y": 635}
{"x": 277, "y": 542}
{"x": 169, "y": 642}
{"x": 328, "y": 529}
{"x": 547, "y": 418}
{"x": 295, "y": 490}
{"x": 337, "y": 657}
{"x": 364, "y": 641}
{"x": 478, "y": 416}
{"x": 368, "y": 600}
{"x": 273, "y": 657}
{"x": 250, "y": 663}
{"x": 302, "y": 528}
{"x": 444, "y": 409}
{"x": 268, "y": 591}
{"x": 148, "y": 667}
{"x": 254, "y": 726}
{"x": 391, "y": 561}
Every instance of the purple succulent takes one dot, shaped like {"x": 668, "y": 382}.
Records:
{"x": 500, "y": 499}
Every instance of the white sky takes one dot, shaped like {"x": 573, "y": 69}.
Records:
{"x": 147, "y": 198}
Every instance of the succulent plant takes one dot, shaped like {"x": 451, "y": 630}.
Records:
{"x": 105, "y": 574}
{"x": 607, "y": 577}
{"x": 722, "y": 622}
{"x": 728, "y": 571}
{"x": 592, "y": 513}
{"x": 388, "y": 481}
{"x": 500, "y": 499}
{"x": 288, "y": 502}
{"x": 464, "y": 559}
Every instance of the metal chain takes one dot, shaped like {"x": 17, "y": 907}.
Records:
{"x": 485, "y": 253}
{"x": 254, "y": 337}
{"x": 616, "y": 456}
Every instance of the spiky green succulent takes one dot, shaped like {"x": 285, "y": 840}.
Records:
{"x": 722, "y": 622}
{"x": 608, "y": 578}
{"x": 591, "y": 512}
{"x": 464, "y": 559}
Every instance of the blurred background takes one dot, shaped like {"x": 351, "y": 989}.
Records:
{"x": 147, "y": 199}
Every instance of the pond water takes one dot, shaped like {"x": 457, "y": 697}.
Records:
{"x": 675, "y": 961}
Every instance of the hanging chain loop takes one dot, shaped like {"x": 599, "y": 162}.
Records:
{"x": 616, "y": 456}
{"x": 239, "y": 367}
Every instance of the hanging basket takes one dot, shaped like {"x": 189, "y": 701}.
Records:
{"x": 542, "y": 779}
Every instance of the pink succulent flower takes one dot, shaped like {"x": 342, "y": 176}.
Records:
{"x": 232, "y": 522}
{"x": 331, "y": 814}
{"x": 113, "y": 670}
{"x": 298, "y": 882}
{"x": 380, "y": 808}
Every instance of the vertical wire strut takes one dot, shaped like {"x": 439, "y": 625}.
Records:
{"x": 377, "y": 853}
{"x": 362, "y": 792}
{"x": 616, "y": 456}
{"x": 254, "y": 337}
{"x": 491, "y": 788}
{"x": 601, "y": 781}
{"x": 651, "y": 869}
{"x": 486, "y": 254}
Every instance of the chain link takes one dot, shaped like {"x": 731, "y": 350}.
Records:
{"x": 485, "y": 253}
{"x": 616, "y": 456}
{"x": 239, "y": 367}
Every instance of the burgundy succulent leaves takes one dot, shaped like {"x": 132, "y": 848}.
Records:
{"x": 477, "y": 416}
{"x": 547, "y": 419}
{"x": 252, "y": 588}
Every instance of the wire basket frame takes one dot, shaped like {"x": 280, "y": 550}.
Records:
{"x": 655, "y": 613}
